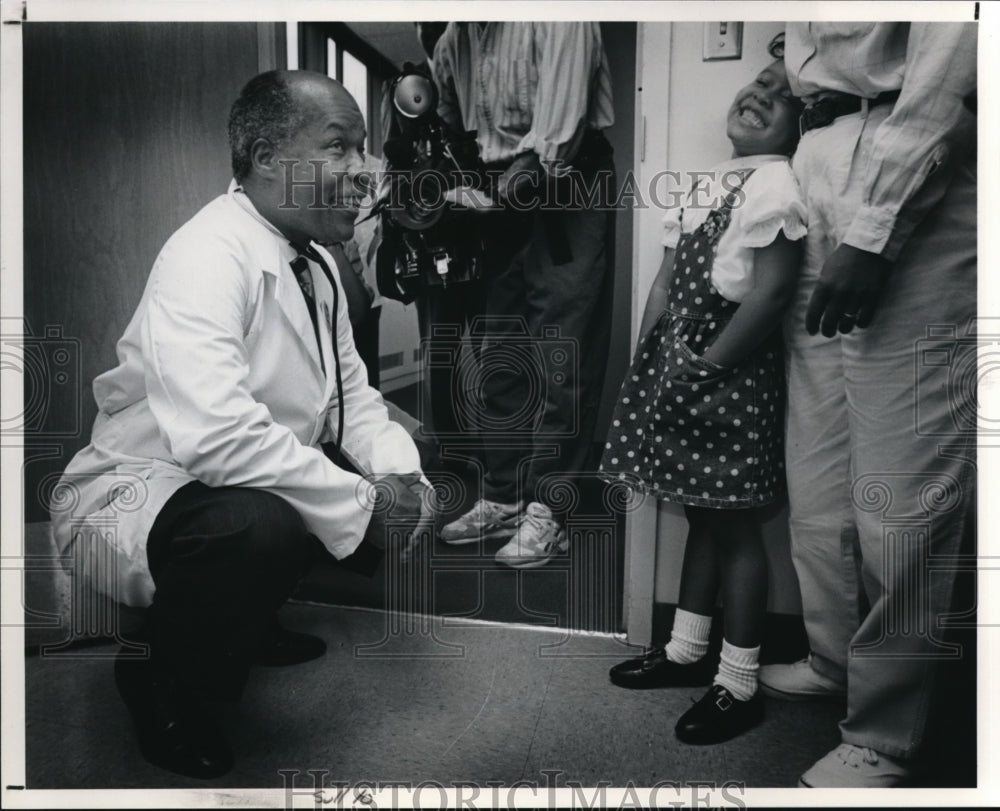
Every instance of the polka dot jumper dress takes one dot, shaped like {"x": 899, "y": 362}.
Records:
{"x": 686, "y": 429}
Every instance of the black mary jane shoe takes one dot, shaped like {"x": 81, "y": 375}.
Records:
{"x": 656, "y": 670}
{"x": 282, "y": 647}
{"x": 719, "y": 716}
{"x": 175, "y": 730}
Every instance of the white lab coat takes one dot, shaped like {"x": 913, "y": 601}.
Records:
{"x": 219, "y": 380}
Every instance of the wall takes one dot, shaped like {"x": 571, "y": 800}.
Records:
{"x": 124, "y": 140}
{"x": 619, "y": 45}
{"x": 698, "y": 96}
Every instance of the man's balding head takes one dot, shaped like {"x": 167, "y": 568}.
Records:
{"x": 297, "y": 141}
{"x": 274, "y": 106}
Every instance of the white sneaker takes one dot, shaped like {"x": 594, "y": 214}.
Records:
{"x": 798, "y": 682}
{"x": 850, "y": 766}
{"x": 538, "y": 538}
{"x": 487, "y": 519}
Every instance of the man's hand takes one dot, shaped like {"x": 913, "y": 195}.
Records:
{"x": 425, "y": 523}
{"x": 402, "y": 512}
{"x": 847, "y": 292}
{"x": 466, "y": 197}
{"x": 521, "y": 180}
{"x": 517, "y": 187}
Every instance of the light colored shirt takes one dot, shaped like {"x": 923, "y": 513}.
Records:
{"x": 361, "y": 248}
{"x": 524, "y": 86}
{"x": 933, "y": 65}
{"x": 770, "y": 202}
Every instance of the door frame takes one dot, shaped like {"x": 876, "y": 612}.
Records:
{"x": 653, "y": 41}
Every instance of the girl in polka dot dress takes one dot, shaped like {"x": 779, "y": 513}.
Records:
{"x": 699, "y": 418}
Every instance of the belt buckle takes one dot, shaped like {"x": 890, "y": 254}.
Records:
{"x": 820, "y": 113}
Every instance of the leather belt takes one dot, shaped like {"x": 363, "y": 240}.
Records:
{"x": 825, "y": 110}
{"x": 594, "y": 149}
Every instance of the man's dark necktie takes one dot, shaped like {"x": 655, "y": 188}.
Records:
{"x": 303, "y": 276}
{"x": 300, "y": 266}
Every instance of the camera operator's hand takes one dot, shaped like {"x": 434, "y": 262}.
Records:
{"x": 401, "y": 513}
{"x": 520, "y": 183}
{"x": 466, "y": 197}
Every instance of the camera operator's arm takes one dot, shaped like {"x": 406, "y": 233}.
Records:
{"x": 390, "y": 126}
{"x": 573, "y": 86}
{"x": 520, "y": 180}
{"x": 449, "y": 110}
{"x": 573, "y": 83}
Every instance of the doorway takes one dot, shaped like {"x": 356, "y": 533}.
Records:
{"x": 585, "y": 590}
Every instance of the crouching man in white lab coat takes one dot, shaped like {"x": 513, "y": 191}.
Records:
{"x": 205, "y": 493}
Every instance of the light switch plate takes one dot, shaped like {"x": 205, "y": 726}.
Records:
{"x": 722, "y": 41}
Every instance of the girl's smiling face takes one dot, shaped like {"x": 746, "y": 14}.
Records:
{"x": 764, "y": 116}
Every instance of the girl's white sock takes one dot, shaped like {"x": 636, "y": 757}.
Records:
{"x": 738, "y": 670}
{"x": 689, "y": 637}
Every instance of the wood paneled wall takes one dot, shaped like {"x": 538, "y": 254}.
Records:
{"x": 124, "y": 140}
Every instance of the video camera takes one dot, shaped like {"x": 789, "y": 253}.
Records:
{"x": 425, "y": 240}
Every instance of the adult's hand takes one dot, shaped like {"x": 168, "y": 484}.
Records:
{"x": 424, "y": 529}
{"x": 847, "y": 292}
{"x": 519, "y": 183}
{"x": 466, "y": 197}
{"x": 402, "y": 507}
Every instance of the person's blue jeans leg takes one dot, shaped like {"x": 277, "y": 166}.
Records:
{"x": 545, "y": 381}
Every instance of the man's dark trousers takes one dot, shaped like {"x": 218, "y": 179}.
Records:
{"x": 552, "y": 277}
{"x": 223, "y": 561}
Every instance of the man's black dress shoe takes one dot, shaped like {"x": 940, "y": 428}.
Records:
{"x": 655, "y": 670}
{"x": 174, "y": 729}
{"x": 719, "y": 716}
{"x": 283, "y": 647}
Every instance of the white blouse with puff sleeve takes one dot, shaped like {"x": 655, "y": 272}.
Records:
{"x": 772, "y": 202}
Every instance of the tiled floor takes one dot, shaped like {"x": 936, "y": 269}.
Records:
{"x": 435, "y": 700}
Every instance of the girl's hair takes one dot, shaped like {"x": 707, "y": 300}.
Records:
{"x": 776, "y": 47}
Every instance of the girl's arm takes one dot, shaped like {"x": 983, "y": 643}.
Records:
{"x": 656, "y": 302}
{"x": 776, "y": 269}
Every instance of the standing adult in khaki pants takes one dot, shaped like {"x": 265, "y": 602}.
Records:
{"x": 881, "y": 475}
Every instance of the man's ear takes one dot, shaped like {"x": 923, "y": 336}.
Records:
{"x": 263, "y": 156}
